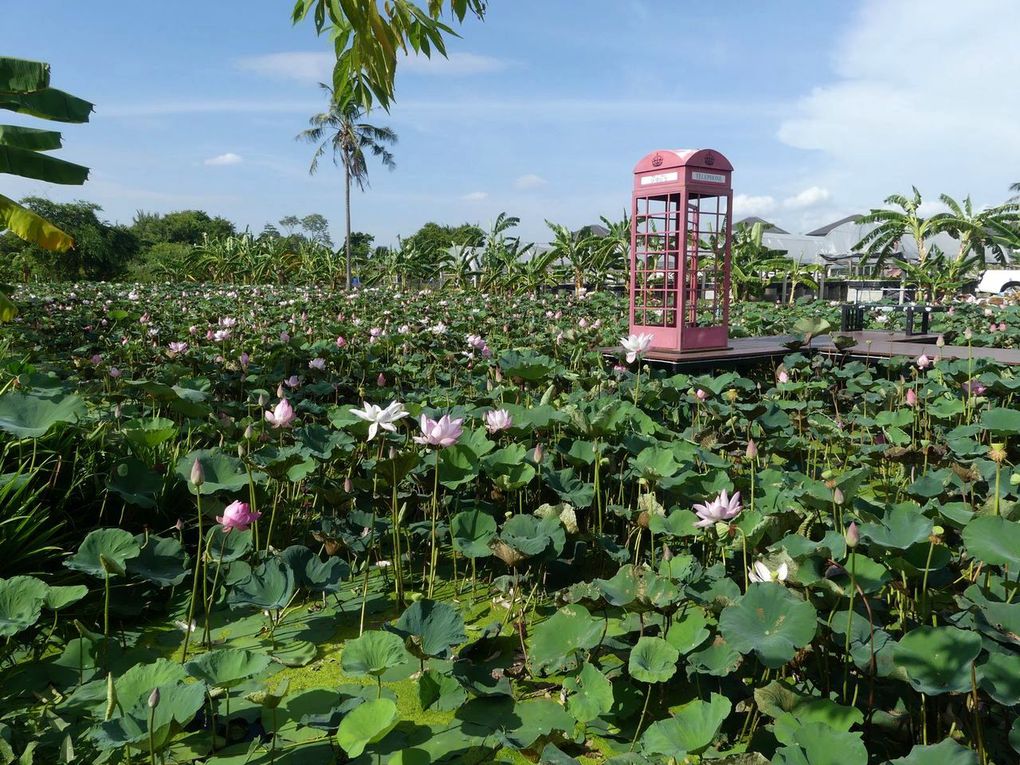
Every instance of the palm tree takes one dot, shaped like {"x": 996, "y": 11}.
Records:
{"x": 341, "y": 130}
{"x": 884, "y": 240}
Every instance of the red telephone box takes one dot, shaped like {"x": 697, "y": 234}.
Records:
{"x": 680, "y": 249}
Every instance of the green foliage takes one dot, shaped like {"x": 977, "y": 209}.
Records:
{"x": 190, "y": 227}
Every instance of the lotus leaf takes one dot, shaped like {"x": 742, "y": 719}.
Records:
{"x": 946, "y": 752}
{"x": 25, "y": 415}
{"x": 432, "y": 628}
{"x": 161, "y": 560}
{"x": 556, "y": 641}
{"x": 652, "y": 660}
{"x": 440, "y": 691}
{"x": 135, "y": 483}
{"x": 903, "y": 526}
{"x": 373, "y": 653}
{"x": 226, "y": 667}
{"x": 819, "y": 744}
{"x": 222, "y": 471}
{"x": 21, "y": 602}
{"x": 472, "y": 532}
{"x": 226, "y": 546}
{"x": 366, "y": 724}
{"x": 58, "y": 597}
{"x": 313, "y": 573}
{"x": 149, "y": 432}
{"x": 993, "y": 540}
{"x": 104, "y": 552}
{"x": 938, "y": 659}
{"x": 590, "y": 694}
{"x": 771, "y": 621}
{"x": 269, "y": 587}
{"x": 689, "y": 730}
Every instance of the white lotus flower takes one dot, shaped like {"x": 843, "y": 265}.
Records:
{"x": 761, "y": 573}
{"x": 379, "y": 417}
{"x": 636, "y": 345}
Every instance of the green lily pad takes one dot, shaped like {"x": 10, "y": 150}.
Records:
{"x": 160, "y": 560}
{"x": 556, "y": 642}
{"x": 472, "y": 531}
{"x": 993, "y": 540}
{"x": 771, "y": 621}
{"x": 21, "y": 602}
{"x": 270, "y": 586}
{"x": 366, "y": 724}
{"x": 689, "y": 730}
{"x": 226, "y": 667}
{"x": 432, "y": 628}
{"x": 590, "y": 694}
{"x": 135, "y": 483}
{"x": 222, "y": 471}
{"x": 104, "y": 552}
{"x": 28, "y": 416}
{"x": 373, "y": 653}
{"x": 946, "y": 752}
{"x": 938, "y": 659}
{"x": 652, "y": 660}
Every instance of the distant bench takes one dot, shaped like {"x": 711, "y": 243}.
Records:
{"x": 852, "y": 316}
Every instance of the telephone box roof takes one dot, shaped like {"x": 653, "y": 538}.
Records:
{"x": 670, "y": 158}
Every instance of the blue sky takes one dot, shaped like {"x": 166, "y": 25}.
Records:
{"x": 824, "y": 108}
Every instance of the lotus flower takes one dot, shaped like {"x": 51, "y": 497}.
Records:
{"x": 442, "y": 432}
{"x": 761, "y": 573}
{"x": 923, "y": 362}
{"x": 636, "y": 345}
{"x": 379, "y": 417}
{"x": 497, "y": 420}
{"x": 176, "y": 348}
{"x": 974, "y": 388}
{"x": 237, "y": 515}
{"x": 783, "y": 377}
{"x": 722, "y": 508}
{"x": 911, "y": 397}
{"x": 282, "y": 416}
{"x": 317, "y": 363}
{"x": 700, "y": 394}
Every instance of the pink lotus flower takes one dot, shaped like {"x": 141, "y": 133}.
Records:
{"x": 442, "y": 432}
{"x": 783, "y": 377}
{"x": 722, "y": 508}
{"x": 176, "y": 348}
{"x": 115, "y": 373}
{"x": 284, "y": 337}
{"x": 245, "y": 360}
{"x": 340, "y": 342}
{"x": 317, "y": 363}
{"x": 1002, "y": 326}
{"x": 237, "y": 515}
{"x": 381, "y": 380}
{"x": 923, "y": 362}
{"x": 700, "y": 394}
{"x": 292, "y": 381}
{"x": 282, "y": 416}
{"x": 497, "y": 420}
{"x": 911, "y": 397}
{"x": 974, "y": 388}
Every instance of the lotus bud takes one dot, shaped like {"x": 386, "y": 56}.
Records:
{"x": 1014, "y": 480}
{"x": 197, "y": 473}
{"x": 111, "y": 697}
{"x": 752, "y": 449}
{"x": 853, "y": 536}
{"x": 241, "y": 451}
{"x": 967, "y": 334}
{"x": 667, "y": 554}
{"x": 179, "y": 526}
{"x": 837, "y": 496}
{"x": 280, "y": 392}
{"x": 249, "y": 433}
{"x": 940, "y": 342}
{"x": 348, "y": 485}
{"x": 539, "y": 453}
{"x": 263, "y": 399}
{"x": 381, "y": 380}
{"x": 154, "y": 698}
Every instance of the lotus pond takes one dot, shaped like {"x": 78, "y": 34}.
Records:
{"x": 293, "y": 526}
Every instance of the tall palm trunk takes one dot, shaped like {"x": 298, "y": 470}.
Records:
{"x": 347, "y": 223}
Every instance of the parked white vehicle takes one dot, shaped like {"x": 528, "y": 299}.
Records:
{"x": 999, "y": 281}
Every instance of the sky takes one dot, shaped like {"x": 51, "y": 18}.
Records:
{"x": 541, "y": 110}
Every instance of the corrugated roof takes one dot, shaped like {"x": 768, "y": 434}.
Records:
{"x": 824, "y": 230}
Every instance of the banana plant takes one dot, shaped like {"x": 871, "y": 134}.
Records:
{"x": 25, "y": 89}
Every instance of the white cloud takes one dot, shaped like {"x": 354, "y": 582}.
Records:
{"x": 919, "y": 97}
{"x": 312, "y": 67}
{"x": 745, "y": 204}
{"x": 529, "y": 182}
{"x": 809, "y": 197}
{"x": 225, "y": 159}
{"x": 475, "y": 196}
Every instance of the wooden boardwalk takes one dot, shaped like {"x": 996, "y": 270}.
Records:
{"x": 748, "y": 351}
